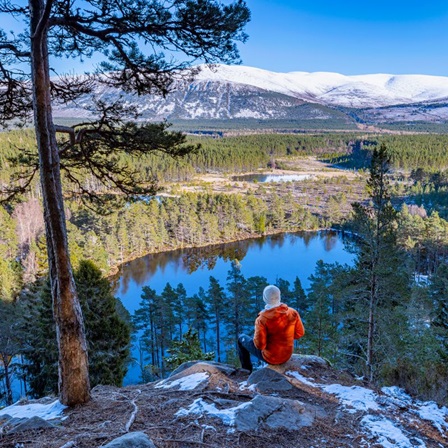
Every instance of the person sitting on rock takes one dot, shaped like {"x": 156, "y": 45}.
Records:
{"x": 276, "y": 327}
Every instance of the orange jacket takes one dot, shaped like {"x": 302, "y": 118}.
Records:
{"x": 275, "y": 331}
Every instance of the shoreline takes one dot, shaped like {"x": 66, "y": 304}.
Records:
{"x": 115, "y": 271}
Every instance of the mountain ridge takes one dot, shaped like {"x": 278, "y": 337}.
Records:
{"x": 239, "y": 92}
{"x": 324, "y": 86}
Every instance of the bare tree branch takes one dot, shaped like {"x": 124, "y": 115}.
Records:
{"x": 10, "y": 194}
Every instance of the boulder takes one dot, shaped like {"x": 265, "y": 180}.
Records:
{"x": 273, "y": 413}
{"x": 29, "y": 424}
{"x": 131, "y": 440}
{"x": 215, "y": 375}
{"x": 298, "y": 362}
{"x": 205, "y": 366}
{"x": 269, "y": 380}
{"x": 4, "y": 418}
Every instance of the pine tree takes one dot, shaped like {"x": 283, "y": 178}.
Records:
{"x": 169, "y": 299}
{"x": 287, "y": 295}
{"x": 107, "y": 334}
{"x": 144, "y": 321}
{"x": 188, "y": 349}
{"x": 179, "y": 307}
{"x": 111, "y": 30}
{"x": 238, "y": 306}
{"x": 320, "y": 319}
{"x": 380, "y": 269}
{"x": 197, "y": 315}
{"x": 216, "y": 299}
{"x": 254, "y": 287}
{"x": 11, "y": 342}
{"x": 10, "y": 271}
{"x": 300, "y": 302}
{"x": 439, "y": 294}
{"x": 40, "y": 351}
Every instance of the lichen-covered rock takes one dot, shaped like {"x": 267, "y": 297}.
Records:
{"x": 269, "y": 380}
{"x": 131, "y": 440}
{"x": 273, "y": 413}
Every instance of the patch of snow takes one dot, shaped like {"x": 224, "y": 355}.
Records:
{"x": 437, "y": 416}
{"x": 397, "y": 397}
{"x": 189, "y": 382}
{"x": 201, "y": 407}
{"x": 398, "y": 393}
{"x": 356, "y": 397}
{"x": 244, "y": 386}
{"x": 301, "y": 378}
{"x": 421, "y": 280}
{"x": 389, "y": 435}
{"x": 288, "y": 177}
{"x": 45, "y": 411}
{"x": 248, "y": 113}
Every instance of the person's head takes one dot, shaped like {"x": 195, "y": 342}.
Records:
{"x": 271, "y": 296}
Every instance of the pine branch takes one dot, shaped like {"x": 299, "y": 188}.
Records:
{"x": 10, "y": 194}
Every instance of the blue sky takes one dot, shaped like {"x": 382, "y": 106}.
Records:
{"x": 345, "y": 36}
{"x": 349, "y": 37}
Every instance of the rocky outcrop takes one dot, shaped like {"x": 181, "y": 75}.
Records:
{"x": 304, "y": 402}
{"x": 273, "y": 413}
{"x": 202, "y": 366}
{"x": 32, "y": 423}
{"x": 301, "y": 362}
{"x": 14, "y": 425}
{"x": 131, "y": 440}
{"x": 268, "y": 381}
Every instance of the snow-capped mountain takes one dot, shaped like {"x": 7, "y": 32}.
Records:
{"x": 333, "y": 88}
{"x": 232, "y": 92}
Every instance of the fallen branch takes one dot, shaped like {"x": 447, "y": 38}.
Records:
{"x": 75, "y": 441}
{"x": 134, "y": 413}
{"x": 132, "y": 417}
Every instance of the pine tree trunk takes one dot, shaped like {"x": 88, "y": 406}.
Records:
{"x": 74, "y": 385}
{"x": 6, "y": 360}
{"x": 218, "y": 338}
{"x": 371, "y": 330}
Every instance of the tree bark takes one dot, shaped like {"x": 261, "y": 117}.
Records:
{"x": 218, "y": 337}
{"x": 74, "y": 387}
{"x": 370, "y": 334}
{"x": 6, "y": 359}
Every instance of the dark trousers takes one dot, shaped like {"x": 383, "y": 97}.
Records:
{"x": 246, "y": 347}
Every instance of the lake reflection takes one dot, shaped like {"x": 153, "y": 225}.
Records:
{"x": 285, "y": 256}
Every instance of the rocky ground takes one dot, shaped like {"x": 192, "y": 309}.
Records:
{"x": 303, "y": 403}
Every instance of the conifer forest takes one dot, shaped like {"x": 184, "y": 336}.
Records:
{"x": 385, "y": 317}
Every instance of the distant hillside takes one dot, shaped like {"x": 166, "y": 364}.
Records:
{"x": 308, "y": 100}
